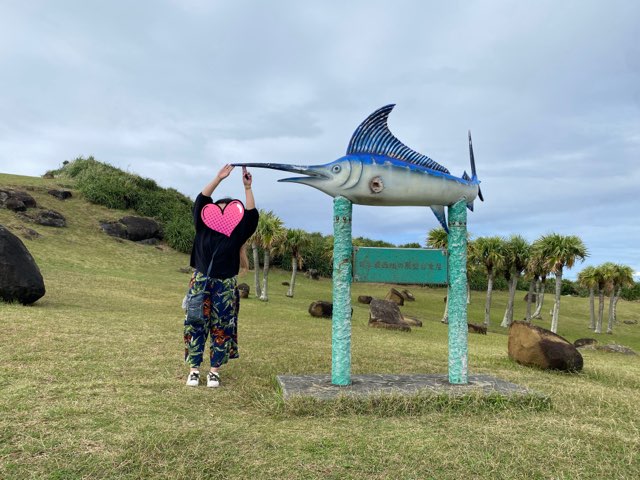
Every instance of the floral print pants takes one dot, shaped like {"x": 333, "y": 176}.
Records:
{"x": 212, "y": 307}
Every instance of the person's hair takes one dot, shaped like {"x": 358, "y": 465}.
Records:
{"x": 244, "y": 260}
{"x": 225, "y": 200}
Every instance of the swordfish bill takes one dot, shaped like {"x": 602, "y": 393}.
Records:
{"x": 378, "y": 169}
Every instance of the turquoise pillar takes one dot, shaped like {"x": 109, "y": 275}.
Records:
{"x": 341, "y": 320}
{"x": 457, "y": 309}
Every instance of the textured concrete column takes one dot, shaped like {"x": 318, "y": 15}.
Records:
{"x": 341, "y": 322}
{"x": 458, "y": 355}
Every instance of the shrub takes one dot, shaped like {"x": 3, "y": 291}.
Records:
{"x": 111, "y": 187}
{"x": 631, "y": 293}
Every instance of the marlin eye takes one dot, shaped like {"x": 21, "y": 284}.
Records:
{"x": 336, "y": 168}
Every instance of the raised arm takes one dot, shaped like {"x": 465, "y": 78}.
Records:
{"x": 246, "y": 180}
{"x": 213, "y": 184}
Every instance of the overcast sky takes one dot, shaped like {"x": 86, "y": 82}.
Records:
{"x": 172, "y": 90}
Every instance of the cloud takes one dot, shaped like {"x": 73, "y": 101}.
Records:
{"x": 172, "y": 90}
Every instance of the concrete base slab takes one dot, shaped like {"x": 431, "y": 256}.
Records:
{"x": 320, "y": 386}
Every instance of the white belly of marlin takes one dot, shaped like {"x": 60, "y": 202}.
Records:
{"x": 378, "y": 181}
{"x": 379, "y": 170}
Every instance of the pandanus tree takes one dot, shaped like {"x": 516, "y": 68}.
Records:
{"x": 588, "y": 279}
{"x": 560, "y": 252}
{"x": 294, "y": 242}
{"x": 516, "y": 255}
{"x": 489, "y": 252}
{"x": 268, "y": 235}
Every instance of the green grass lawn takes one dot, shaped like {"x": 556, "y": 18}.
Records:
{"x": 92, "y": 380}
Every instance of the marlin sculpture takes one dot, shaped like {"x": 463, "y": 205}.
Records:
{"x": 378, "y": 169}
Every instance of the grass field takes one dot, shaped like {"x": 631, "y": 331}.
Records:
{"x": 92, "y": 381}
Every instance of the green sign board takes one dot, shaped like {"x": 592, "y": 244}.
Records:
{"x": 419, "y": 266}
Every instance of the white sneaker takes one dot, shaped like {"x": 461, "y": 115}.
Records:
{"x": 213, "y": 380}
{"x": 193, "y": 379}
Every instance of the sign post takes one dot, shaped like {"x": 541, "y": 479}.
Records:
{"x": 414, "y": 266}
{"x": 341, "y": 317}
{"x": 457, "y": 307}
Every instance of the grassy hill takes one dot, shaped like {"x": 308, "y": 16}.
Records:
{"x": 92, "y": 380}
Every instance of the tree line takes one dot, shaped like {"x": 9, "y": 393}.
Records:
{"x": 510, "y": 262}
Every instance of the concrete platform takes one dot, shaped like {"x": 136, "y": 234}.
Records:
{"x": 320, "y": 387}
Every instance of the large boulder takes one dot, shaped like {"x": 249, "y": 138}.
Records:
{"x": 60, "y": 194}
{"x": 473, "y": 328}
{"x": 20, "y": 277}
{"x": 133, "y": 228}
{"x": 386, "y": 314}
{"x": 408, "y": 295}
{"x": 141, "y": 228}
{"x": 395, "y": 296}
{"x": 50, "y": 218}
{"x": 585, "y": 342}
{"x": 411, "y": 321}
{"x": 243, "y": 290}
{"x": 114, "y": 229}
{"x": 321, "y": 309}
{"x": 16, "y": 200}
{"x": 534, "y": 346}
{"x": 366, "y": 299}
{"x": 313, "y": 274}
{"x": 615, "y": 348}
{"x": 28, "y": 233}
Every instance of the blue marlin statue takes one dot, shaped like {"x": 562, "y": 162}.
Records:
{"x": 378, "y": 169}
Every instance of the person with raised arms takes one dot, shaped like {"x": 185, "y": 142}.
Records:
{"x": 218, "y": 254}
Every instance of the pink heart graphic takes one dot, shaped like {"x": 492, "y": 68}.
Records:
{"x": 223, "y": 221}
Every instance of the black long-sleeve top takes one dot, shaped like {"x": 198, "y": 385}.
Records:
{"x": 226, "y": 263}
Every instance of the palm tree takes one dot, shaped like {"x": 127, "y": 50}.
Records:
{"x": 294, "y": 242}
{"x": 561, "y": 251}
{"x": 621, "y": 275}
{"x": 602, "y": 278}
{"x": 254, "y": 241}
{"x": 269, "y": 233}
{"x": 489, "y": 251}
{"x": 587, "y": 278}
{"x": 543, "y": 270}
{"x": 438, "y": 238}
{"x": 471, "y": 263}
{"x": 516, "y": 255}
{"x": 534, "y": 271}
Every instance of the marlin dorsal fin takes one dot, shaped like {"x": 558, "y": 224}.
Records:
{"x": 373, "y": 136}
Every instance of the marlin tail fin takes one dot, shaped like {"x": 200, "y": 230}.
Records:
{"x": 474, "y": 175}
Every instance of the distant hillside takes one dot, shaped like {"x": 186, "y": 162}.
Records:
{"x": 103, "y": 184}
{"x": 81, "y": 248}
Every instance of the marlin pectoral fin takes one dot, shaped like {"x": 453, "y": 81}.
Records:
{"x": 480, "y": 195}
{"x": 438, "y": 211}
{"x": 470, "y": 206}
